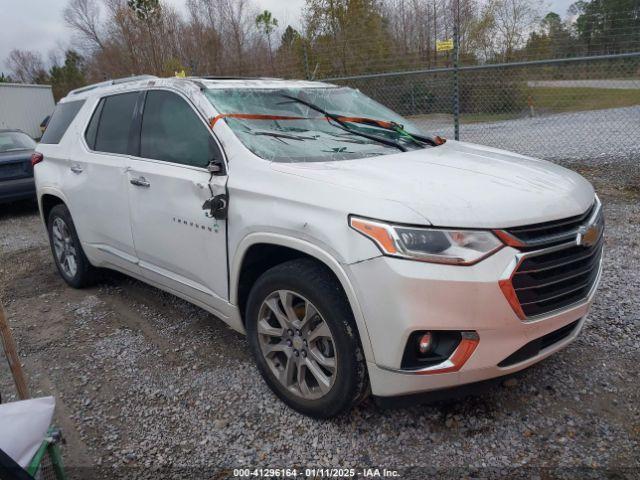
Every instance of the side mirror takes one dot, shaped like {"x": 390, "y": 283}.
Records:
{"x": 216, "y": 168}
{"x": 216, "y": 164}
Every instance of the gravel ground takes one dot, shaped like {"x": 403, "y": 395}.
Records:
{"x": 607, "y": 84}
{"x": 144, "y": 380}
{"x": 591, "y": 136}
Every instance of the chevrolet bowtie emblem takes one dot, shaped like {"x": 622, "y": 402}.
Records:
{"x": 588, "y": 235}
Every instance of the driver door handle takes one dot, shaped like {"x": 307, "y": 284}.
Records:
{"x": 140, "y": 182}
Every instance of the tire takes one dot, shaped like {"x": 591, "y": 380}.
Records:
{"x": 328, "y": 374}
{"x": 72, "y": 263}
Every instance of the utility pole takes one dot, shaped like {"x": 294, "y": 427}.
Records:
{"x": 435, "y": 34}
{"x": 456, "y": 63}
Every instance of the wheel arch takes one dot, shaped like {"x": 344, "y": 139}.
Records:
{"x": 282, "y": 248}
{"x": 47, "y": 200}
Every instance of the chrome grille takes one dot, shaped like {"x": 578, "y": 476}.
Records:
{"x": 558, "y": 275}
{"x": 555, "y": 280}
{"x": 548, "y": 233}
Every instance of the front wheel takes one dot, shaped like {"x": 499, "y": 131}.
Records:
{"x": 303, "y": 337}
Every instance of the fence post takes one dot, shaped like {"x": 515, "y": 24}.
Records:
{"x": 306, "y": 62}
{"x": 456, "y": 79}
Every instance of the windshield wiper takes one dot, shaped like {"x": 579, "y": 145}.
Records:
{"x": 391, "y": 126}
{"x": 281, "y": 135}
{"x": 345, "y": 126}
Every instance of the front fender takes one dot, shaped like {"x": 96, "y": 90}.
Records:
{"x": 340, "y": 270}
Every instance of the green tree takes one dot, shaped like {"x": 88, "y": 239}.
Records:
{"x": 267, "y": 23}
{"x": 68, "y": 76}
{"x": 348, "y": 36}
{"x": 289, "y": 37}
{"x": 292, "y": 53}
{"x": 4, "y": 78}
{"x": 608, "y": 26}
{"x": 552, "y": 39}
{"x": 551, "y": 23}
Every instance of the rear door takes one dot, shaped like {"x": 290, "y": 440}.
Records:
{"x": 56, "y": 144}
{"x": 177, "y": 244}
{"x": 97, "y": 182}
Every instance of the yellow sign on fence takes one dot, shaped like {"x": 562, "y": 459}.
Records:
{"x": 444, "y": 45}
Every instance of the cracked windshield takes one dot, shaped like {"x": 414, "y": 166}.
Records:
{"x": 314, "y": 124}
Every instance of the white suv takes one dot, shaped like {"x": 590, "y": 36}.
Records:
{"x": 359, "y": 255}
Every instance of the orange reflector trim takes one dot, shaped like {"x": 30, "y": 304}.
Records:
{"x": 508, "y": 239}
{"x": 510, "y": 294}
{"x": 368, "y": 121}
{"x": 257, "y": 116}
{"x": 377, "y": 233}
{"x": 463, "y": 353}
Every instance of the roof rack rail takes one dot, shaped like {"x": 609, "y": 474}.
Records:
{"x": 222, "y": 77}
{"x": 108, "y": 83}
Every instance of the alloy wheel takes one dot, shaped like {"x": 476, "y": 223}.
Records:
{"x": 64, "y": 248}
{"x": 297, "y": 344}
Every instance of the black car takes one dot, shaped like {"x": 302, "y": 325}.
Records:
{"x": 16, "y": 172}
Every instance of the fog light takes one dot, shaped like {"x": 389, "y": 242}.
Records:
{"x": 425, "y": 342}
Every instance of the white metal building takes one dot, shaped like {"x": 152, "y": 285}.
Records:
{"x": 24, "y": 106}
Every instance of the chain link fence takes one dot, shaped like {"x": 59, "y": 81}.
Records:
{"x": 574, "y": 108}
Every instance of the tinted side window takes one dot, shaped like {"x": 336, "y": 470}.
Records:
{"x": 173, "y": 132}
{"x": 115, "y": 121}
{"x": 92, "y": 129}
{"x": 62, "y": 117}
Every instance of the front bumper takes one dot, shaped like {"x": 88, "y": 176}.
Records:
{"x": 18, "y": 189}
{"x": 399, "y": 296}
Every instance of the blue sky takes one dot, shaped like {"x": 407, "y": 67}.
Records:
{"x": 38, "y": 24}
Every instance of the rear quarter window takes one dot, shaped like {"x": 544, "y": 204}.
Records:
{"x": 92, "y": 129}
{"x": 113, "y": 123}
{"x": 62, "y": 117}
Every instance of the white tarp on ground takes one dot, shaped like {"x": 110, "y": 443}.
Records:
{"x": 23, "y": 427}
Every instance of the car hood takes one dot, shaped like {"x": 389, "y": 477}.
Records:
{"x": 460, "y": 185}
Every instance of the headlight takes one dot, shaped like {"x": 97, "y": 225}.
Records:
{"x": 437, "y": 245}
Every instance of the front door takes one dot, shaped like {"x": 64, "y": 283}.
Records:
{"x": 177, "y": 245}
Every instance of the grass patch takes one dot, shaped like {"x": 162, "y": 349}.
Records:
{"x": 465, "y": 118}
{"x": 548, "y": 100}
{"x": 565, "y": 99}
